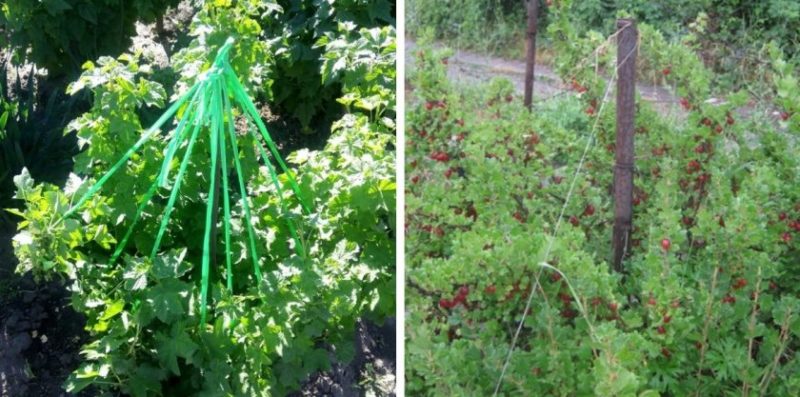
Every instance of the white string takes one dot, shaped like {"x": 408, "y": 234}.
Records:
{"x": 558, "y": 224}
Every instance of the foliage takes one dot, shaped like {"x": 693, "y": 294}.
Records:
{"x": 298, "y": 38}
{"x": 708, "y": 304}
{"x": 285, "y": 54}
{"x": 96, "y": 27}
{"x": 728, "y": 34}
{"x": 268, "y": 335}
{"x": 31, "y": 137}
{"x": 486, "y": 25}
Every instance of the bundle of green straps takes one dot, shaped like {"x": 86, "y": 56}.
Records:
{"x": 208, "y": 104}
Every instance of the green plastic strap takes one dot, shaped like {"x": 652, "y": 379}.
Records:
{"x": 299, "y": 249}
{"x": 145, "y": 137}
{"x": 177, "y": 138}
{"x": 243, "y": 192}
{"x": 173, "y": 146}
{"x": 226, "y": 200}
{"x": 176, "y": 187}
{"x": 247, "y": 105}
{"x": 212, "y": 175}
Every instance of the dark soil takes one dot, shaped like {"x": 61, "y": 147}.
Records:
{"x": 371, "y": 372}
{"x": 40, "y": 334}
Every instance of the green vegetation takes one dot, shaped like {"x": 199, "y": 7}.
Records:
{"x": 263, "y": 335}
{"x": 504, "y": 206}
{"x": 729, "y": 35}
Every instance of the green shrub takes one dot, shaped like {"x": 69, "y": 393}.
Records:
{"x": 709, "y": 301}
{"x": 62, "y": 34}
{"x": 265, "y": 336}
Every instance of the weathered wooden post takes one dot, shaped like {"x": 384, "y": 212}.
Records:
{"x": 530, "y": 49}
{"x": 623, "y": 169}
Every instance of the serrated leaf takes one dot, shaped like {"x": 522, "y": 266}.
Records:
{"x": 170, "y": 264}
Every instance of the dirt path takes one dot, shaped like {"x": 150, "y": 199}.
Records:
{"x": 471, "y": 67}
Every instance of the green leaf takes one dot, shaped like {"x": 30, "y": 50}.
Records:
{"x": 113, "y": 309}
{"x": 178, "y": 344}
{"x": 145, "y": 380}
{"x": 24, "y": 183}
{"x": 87, "y": 11}
{"x": 170, "y": 264}
{"x": 55, "y": 7}
{"x": 167, "y": 300}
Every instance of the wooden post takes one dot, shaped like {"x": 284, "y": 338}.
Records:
{"x": 623, "y": 169}
{"x": 530, "y": 49}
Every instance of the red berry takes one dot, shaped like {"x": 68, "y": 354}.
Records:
{"x": 589, "y": 210}
{"x": 590, "y": 111}
{"x": 730, "y": 120}
{"x": 569, "y": 313}
{"x": 490, "y": 289}
{"x": 706, "y": 121}
{"x": 685, "y": 104}
{"x": 785, "y": 116}
{"x": 718, "y": 129}
{"x": 651, "y": 301}
{"x": 662, "y": 330}
{"x": 557, "y": 179}
{"x": 667, "y": 319}
{"x": 556, "y": 277}
{"x": 786, "y": 237}
{"x": 666, "y": 71}
{"x": 665, "y": 244}
{"x": 739, "y": 283}
{"x": 415, "y": 179}
{"x": 613, "y": 306}
{"x": 445, "y": 303}
{"x": 782, "y": 216}
{"x": 460, "y": 122}
{"x": 448, "y": 173}
{"x": 666, "y": 353}
{"x": 693, "y": 166}
{"x": 463, "y": 291}
{"x": 729, "y": 299}
{"x": 509, "y": 98}
{"x": 574, "y": 220}
{"x": 429, "y": 105}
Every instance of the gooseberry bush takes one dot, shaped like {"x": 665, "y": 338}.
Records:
{"x": 265, "y": 336}
{"x": 708, "y": 303}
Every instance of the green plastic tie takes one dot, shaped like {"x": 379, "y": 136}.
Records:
{"x": 210, "y": 102}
